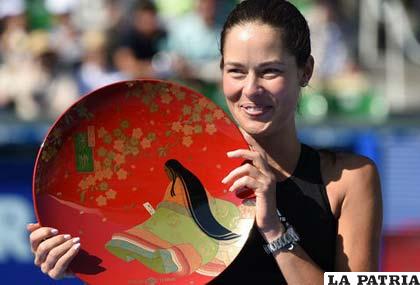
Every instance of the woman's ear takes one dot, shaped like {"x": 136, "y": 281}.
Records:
{"x": 307, "y": 71}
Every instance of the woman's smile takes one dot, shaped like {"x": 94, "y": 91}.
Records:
{"x": 256, "y": 111}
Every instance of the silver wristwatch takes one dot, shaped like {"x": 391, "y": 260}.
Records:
{"x": 286, "y": 241}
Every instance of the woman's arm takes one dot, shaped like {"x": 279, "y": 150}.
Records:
{"x": 360, "y": 217}
{"x": 354, "y": 192}
{"x": 359, "y": 213}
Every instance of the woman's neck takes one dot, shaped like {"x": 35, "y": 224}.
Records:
{"x": 282, "y": 149}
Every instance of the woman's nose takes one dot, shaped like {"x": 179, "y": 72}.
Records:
{"x": 251, "y": 86}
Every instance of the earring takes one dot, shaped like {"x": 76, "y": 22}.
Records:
{"x": 304, "y": 84}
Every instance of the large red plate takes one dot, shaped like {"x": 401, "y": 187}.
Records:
{"x": 135, "y": 170}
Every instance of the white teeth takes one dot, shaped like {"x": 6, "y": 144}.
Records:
{"x": 254, "y": 108}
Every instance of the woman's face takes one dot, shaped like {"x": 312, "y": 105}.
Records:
{"x": 261, "y": 80}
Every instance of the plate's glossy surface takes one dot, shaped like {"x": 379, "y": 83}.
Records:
{"x": 135, "y": 170}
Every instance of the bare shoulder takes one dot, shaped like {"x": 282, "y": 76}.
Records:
{"x": 349, "y": 178}
{"x": 346, "y": 168}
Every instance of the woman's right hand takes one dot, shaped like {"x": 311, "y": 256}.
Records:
{"x": 53, "y": 252}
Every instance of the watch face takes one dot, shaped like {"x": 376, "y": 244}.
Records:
{"x": 134, "y": 169}
{"x": 291, "y": 246}
{"x": 287, "y": 241}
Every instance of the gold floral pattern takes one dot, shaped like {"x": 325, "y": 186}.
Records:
{"x": 211, "y": 129}
{"x": 51, "y": 146}
{"x": 188, "y": 130}
{"x": 218, "y": 114}
{"x": 110, "y": 194}
{"x": 137, "y": 133}
{"x": 122, "y": 174}
{"x": 101, "y": 200}
{"x": 194, "y": 116}
{"x": 176, "y": 126}
{"x": 166, "y": 98}
{"x": 111, "y": 158}
{"x": 145, "y": 143}
{"x": 187, "y": 141}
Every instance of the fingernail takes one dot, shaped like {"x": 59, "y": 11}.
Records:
{"x": 76, "y": 246}
{"x": 224, "y": 180}
{"x": 54, "y": 231}
{"x": 76, "y": 240}
{"x": 67, "y": 236}
{"x": 231, "y": 154}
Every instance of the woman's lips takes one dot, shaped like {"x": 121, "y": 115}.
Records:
{"x": 255, "y": 110}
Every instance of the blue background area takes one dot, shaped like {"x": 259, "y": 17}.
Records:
{"x": 16, "y": 179}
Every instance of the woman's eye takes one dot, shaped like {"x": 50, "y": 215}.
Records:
{"x": 270, "y": 73}
{"x": 236, "y": 72}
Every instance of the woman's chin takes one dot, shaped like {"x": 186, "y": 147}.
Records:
{"x": 256, "y": 129}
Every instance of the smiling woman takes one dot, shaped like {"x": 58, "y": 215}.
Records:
{"x": 259, "y": 67}
{"x": 330, "y": 203}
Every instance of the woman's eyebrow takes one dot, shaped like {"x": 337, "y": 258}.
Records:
{"x": 272, "y": 62}
{"x": 233, "y": 63}
{"x": 263, "y": 64}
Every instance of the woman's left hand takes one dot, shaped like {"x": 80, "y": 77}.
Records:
{"x": 258, "y": 177}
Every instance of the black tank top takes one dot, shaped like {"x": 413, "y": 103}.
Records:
{"x": 303, "y": 200}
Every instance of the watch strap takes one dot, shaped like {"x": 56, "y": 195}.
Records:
{"x": 286, "y": 241}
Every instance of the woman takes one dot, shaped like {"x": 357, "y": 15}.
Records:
{"x": 331, "y": 201}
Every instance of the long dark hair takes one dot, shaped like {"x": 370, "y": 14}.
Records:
{"x": 197, "y": 201}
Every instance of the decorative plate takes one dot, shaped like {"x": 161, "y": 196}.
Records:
{"x": 134, "y": 169}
